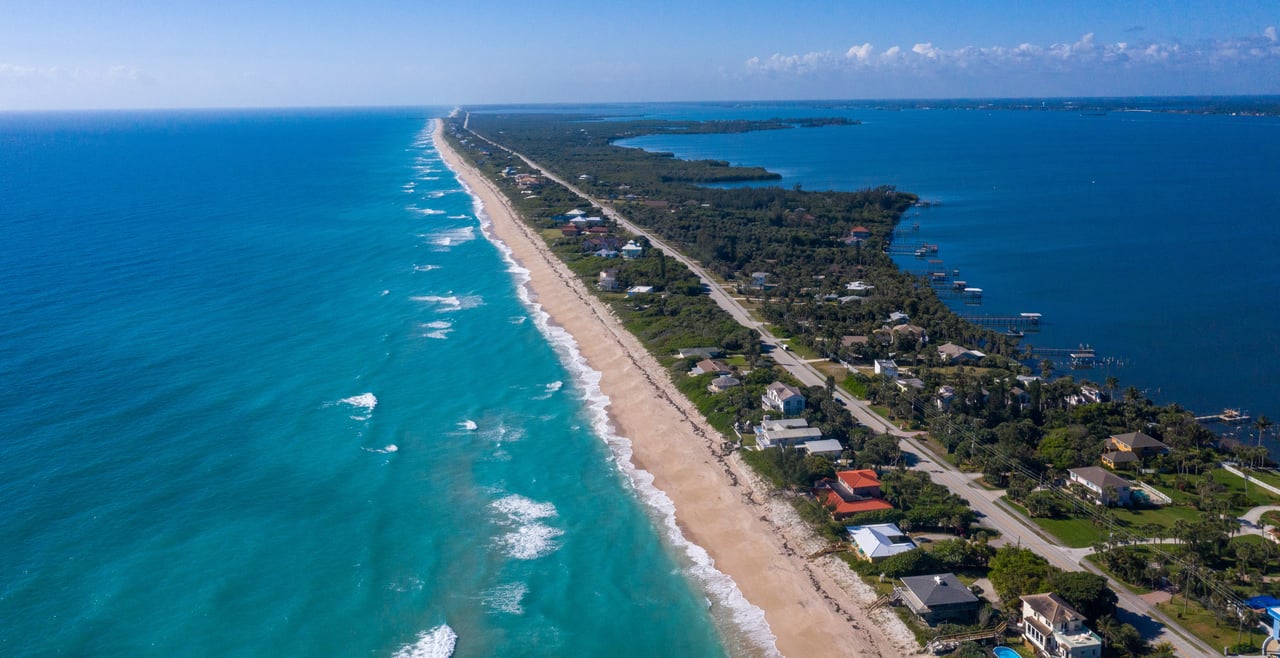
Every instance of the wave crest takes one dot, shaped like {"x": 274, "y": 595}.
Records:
{"x": 438, "y": 642}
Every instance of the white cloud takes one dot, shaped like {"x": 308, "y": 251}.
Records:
{"x": 1084, "y": 54}
{"x": 863, "y": 53}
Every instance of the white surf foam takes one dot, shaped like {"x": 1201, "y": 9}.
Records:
{"x": 452, "y": 237}
{"x": 450, "y": 303}
{"x": 408, "y": 187}
{"x": 439, "y": 329}
{"x": 425, "y": 211}
{"x": 549, "y": 390}
{"x": 425, "y": 268}
{"x": 365, "y": 402}
{"x": 390, "y": 448}
{"x": 384, "y": 293}
{"x": 746, "y": 617}
{"x": 506, "y": 598}
{"x": 435, "y": 195}
{"x": 518, "y": 319}
{"x": 468, "y": 425}
{"x": 438, "y": 642}
{"x": 531, "y": 539}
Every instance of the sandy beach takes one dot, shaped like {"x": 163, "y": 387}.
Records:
{"x": 814, "y": 608}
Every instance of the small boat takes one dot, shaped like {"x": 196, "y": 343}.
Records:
{"x": 1015, "y": 332}
{"x": 921, "y": 252}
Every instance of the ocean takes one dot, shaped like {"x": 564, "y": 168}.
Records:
{"x": 1150, "y": 237}
{"x": 269, "y": 389}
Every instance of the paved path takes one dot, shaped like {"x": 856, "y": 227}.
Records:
{"x": 1016, "y": 528}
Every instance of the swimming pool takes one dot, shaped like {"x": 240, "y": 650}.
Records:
{"x": 1005, "y": 652}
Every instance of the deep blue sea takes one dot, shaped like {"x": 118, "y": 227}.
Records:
{"x": 269, "y": 390}
{"x": 1151, "y": 237}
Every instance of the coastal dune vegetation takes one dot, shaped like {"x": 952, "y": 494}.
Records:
{"x": 790, "y": 254}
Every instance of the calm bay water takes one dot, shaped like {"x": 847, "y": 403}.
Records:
{"x": 268, "y": 390}
{"x": 1151, "y": 237}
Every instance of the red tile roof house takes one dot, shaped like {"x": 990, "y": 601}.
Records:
{"x": 851, "y": 492}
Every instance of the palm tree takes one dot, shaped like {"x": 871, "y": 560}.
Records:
{"x": 1262, "y": 423}
{"x": 1112, "y": 384}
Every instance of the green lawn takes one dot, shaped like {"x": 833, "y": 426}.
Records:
{"x": 1206, "y": 626}
{"x": 1270, "y": 477}
{"x": 1082, "y": 533}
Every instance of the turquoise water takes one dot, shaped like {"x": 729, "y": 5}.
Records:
{"x": 1005, "y": 652}
{"x": 269, "y": 390}
{"x": 1151, "y": 237}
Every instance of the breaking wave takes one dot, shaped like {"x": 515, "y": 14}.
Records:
{"x": 438, "y": 642}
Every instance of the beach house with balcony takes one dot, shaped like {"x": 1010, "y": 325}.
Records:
{"x": 1055, "y": 629}
{"x": 785, "y": 433}
{"x": 783, "y": 398}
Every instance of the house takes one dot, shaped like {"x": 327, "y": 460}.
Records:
{"x": 946, "y": 395}
{"x": 859, "y": 287}
{"x": 1107, "y": 488}
{"x": 608, "y": 280}
{"x": 851, "y": 492}
{"x": 898, "y": 317}
{"x": 631, "y": 250}
{"x": 825, "y": 448}
{"x": 1019, "y": 398}
{"x": 859, "y": 233}
{"x": 1087, "y": 395}
{"x": 570, "y": 231}
{"x": 908, "y": 384}
{"x": 759, "y": 280}
{"x": 1055, "y": 629}
{"x": 916, "y": 332}
{"x": 940, "y": 597}
{"x": 877, "y": 542}
{"x": 723, "y": 383}
{"x": 952, "y": 353}
{"x": 605, "y": 253}
{"x": 886, "y": 368}
{"x": 639, "y": 290}
{"x": 785, "y": 433}
{"x": 709, "y": 365}
{"x": 783, "y": 398}
{"x": 1141, "y": 445}
{"x": 1117, "y": 460}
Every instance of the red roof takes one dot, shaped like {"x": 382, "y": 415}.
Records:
{"x": 858, "y": 479}
{"x": 860, "y": 229}
{"x": 839, "y": 507}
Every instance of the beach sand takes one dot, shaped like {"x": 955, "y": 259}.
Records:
{"x": 814, "y": 608}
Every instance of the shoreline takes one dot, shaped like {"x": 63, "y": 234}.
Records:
{"x": 753, "y": 540}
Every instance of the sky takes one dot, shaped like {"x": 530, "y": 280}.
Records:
{"x": 109, "y": 54}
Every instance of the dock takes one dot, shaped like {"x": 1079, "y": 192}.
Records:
{"x": 1227, "y": 416}
{"x": 1019, "y": 321}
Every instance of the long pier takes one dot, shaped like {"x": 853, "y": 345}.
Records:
{"x": 1020, "y": 321}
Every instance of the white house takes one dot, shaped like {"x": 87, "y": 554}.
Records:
{"x": 639, "y": 290}
{"x": 631, "y": 250}
{"x": 608, "y": 280}
{"x": 785, "y": 433}
{"x": 859, "y": 287}
{"x": 824, "y": 448}
{"x": 783, "y": 398}
{"x": 879, "y": 541}
{"x": 1107, "y": 487}
{"x": 1055, "y": 629}
{"x": 887, "y": 368}
{"x": 952, "y": 353}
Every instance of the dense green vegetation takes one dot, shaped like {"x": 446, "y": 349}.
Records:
{"x": 790, "y": 253}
